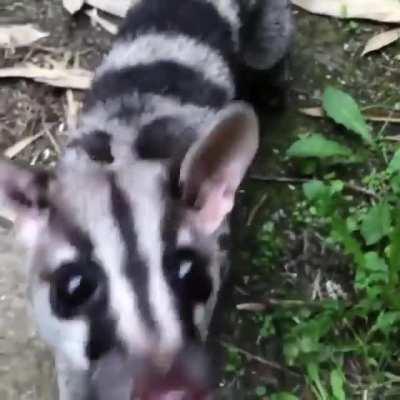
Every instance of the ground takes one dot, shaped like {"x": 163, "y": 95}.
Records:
{"x": 278, "y": 257}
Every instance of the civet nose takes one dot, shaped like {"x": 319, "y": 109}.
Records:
{"x": 118, "y": 378}
{"x": 187, "y": 378}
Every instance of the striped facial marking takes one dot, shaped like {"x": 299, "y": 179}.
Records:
{"x": 141, "y": 283}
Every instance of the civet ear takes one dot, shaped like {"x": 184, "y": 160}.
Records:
{"x": 215, "y": 165}
{"x": 24, "y": 191}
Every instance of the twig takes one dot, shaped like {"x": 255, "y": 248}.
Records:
{"x": 49, "y": 135}
{"x": 254, "y": 307}
{"x": 71, "y": 110}
{"x": 255, "y": 209}
{"x": 268, "y": 304}
{"x": 259, "y": 359}
{"x": 53, "y": 141}
{"x": 279, "y": 179}
{"x": 21, "y": 145}
{"x": 361, "y": 190}
{"x": 72, "y": 78}
{"x": 283, "y": 179}
{"x": 318, "y": 112}
{"x": 316, "y": 287}
{"x": 395, "y": 138}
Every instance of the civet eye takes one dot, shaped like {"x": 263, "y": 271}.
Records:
{"x": 74, "y": 286}
{"x": 184, "y": 269}
{"x": 193, "y": 274}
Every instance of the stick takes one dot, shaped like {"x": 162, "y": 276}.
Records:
{"x": 255, "y": 209}
{"x": 271, "y": 303}
{"x": 318, "y": 112}
{"x": 283, "y": 179}
{"x": 259, "y": 359}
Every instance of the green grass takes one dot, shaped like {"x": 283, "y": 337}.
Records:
{"x": 345, "y": 346}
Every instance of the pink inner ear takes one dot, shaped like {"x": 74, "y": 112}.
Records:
{"x": 219, "y": 201}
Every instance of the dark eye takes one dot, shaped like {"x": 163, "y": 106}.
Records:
{"x": 193, "y": 274}
{"x": 75, "y": 286}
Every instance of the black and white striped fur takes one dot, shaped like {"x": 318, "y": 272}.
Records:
{"x": 125, "y": 263}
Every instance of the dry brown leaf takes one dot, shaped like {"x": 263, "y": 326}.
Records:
{"x": 16, "y": 148}
{"x": 381, "y": 40}
{"x": 73, "y": 6}
{"x": 377, "y": 10}
{"x": 118, "y": 8}
{"x": 97, "y": 20}
{"x": 74, "y": 78}
{"x": 318, "y": 112}
{"x": 251, "y": 307}
{"x": 12, "y": 36}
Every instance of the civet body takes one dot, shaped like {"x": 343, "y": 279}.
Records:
{"x": 124, "y": 258}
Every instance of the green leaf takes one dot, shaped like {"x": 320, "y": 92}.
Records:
{"x": 376, "y": 223}
{"x": 337, "y": 186}
{"x": 394, "y": 252}
{"x": 342, "y": 234}
{"x": 375, "y": 263}
{"x": 313, "y": 375}
{"x": 352, "y": 223}
{"x": 308, "y": 344}
{"x": 314, "y": 189}
{"x": 342, "y": 108}
{"x": 322, "y": 196}
{"x": 291, "y": 351}
{"x": 385, "y": 321}
{"x": 395, "y": 184}
{"x": 284, "y": 396}
{"x": 267, "y": 328}
{"x": 337, "y": 383}
{"x": 261, "y": 391}
{"x": 316, "y": 146}
{"x": 394, "y": 165}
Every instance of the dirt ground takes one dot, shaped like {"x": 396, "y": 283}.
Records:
{"x": 321, "y": 55}
{"x": 26, "y": 109}
{"x": 25, "y": 365}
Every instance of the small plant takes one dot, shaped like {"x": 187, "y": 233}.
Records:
{"x": 325, "y": 338}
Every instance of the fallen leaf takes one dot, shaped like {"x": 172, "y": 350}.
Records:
{"x": 74, "y": 78}
{"x": 16, "y": 148}
{"x": 381, "y": 40}
{"x": 118, "y": 8}
{"x": 20, "y": 35}
{"x": 318, "y": 112}
{"x": 251, "y": 307}
{"x": 376, "y": 10}
{"x": 105, "y": 24}
{"x": 73, "y": 6}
